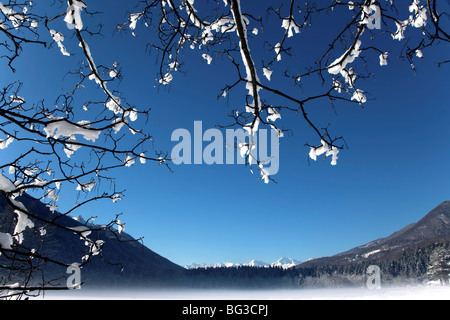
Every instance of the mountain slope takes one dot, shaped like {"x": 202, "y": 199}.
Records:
{"x": 434, "y": 226}
{"x": 285, "y": 263}
{"x": 123, "y": 261}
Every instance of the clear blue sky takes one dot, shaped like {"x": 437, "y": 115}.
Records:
{"x": 395, "y": 171}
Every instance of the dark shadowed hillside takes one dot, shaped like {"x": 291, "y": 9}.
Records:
{"x": 123, "y": 261}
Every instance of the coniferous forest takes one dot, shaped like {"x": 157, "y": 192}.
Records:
{"x": 419, "y": 265}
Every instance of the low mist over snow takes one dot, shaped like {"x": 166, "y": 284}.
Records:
{"x": 431, "y": 292}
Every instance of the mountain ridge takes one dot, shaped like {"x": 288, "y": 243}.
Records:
{"x": 432, "y": 227}
{"x": 123, "y": 259}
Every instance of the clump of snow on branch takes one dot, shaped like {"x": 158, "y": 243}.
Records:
{"x": 16, "y": 19}
{"x": 59, "y": 38}
{"x": 419, "y": 17}
{"x": 348, "y": 57}
{"x": 5, "y": 143}
{"x": 134, "y": 18}
{"x": 73, "y": 15}
{"x": 383, "y": 59}
{"x": 290, "y": 25}
{"x": 129, "y": 161}
{"x": 208, "y": 58}
{"x": 324, "y": 149}
{"x": 58, "y": 127}
{"x": 86, "y": 187}
{"x": 120, "y": 226}
{"x": 6, "y": 185}
{"x": 273, "y": 115}
{"x": 267, "y": 73}
{"x": 359, "y": 96}
{"x": 22, "y": 223}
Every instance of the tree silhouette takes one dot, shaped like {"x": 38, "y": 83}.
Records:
{"x": 83, "y": 136}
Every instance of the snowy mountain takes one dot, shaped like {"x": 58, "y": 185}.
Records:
{"x": 256, "y": 264}
{"x": 283, "y": 262}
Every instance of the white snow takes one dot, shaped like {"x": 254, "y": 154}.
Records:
{"x": 58, "y": 127}
{"x": 290, "y": 25}
{"x": 348, "y": 57}
{"x": 383, "y": 59}
{"x": 324, "y": 149}
{"x": 256, "y": 263}
{"x": 22, "y": 223}
{"x": 371, "y": 15}
{"x": 113, "y": 73}
{"x": 366, "y": 255}
{"x": 267, "y": 73}
{"x": 285, "y": 263}
{"x": 142, "y": 158}
{"x": 85, "y": 231}
{"x": 120, "y": 226}
{"x": 273, "y": 115}
{"x": 399, "y": 34}
{"x": 167, "y": 79}
{"x": 133, "y": 115}
{"x": 248, "y": 62}
{"x": 208, "y": 58}
{"x": 5, "y": 143}
{"x": 6, "y": 185}
{"x": 15, "y": 18}
{"x": 70, "y": 149}
{"x": 73, "y": 15}
{"x": 134, "y": 17}
{"x": 419, "y": 17}
{"x": 59, "y": 38}
{"x": 114, "y": 105}
{"x": 86, "y": 186}
{"x": 278, "y": 51}
{"x": 359, "y": 96}
{"x": 129, "y": 161}
{"x": 430, "y": 292}
{"x": 117, "y": 123}
{"x": 116, "y": 198}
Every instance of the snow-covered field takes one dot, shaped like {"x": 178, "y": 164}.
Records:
{"x": 399, "y": 293}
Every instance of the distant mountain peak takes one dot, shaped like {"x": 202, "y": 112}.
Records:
{"x": 283, "y": 262}
{"x": 256, "y": 263}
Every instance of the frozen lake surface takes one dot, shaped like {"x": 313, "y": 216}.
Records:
{"x": 397, "y": 293}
